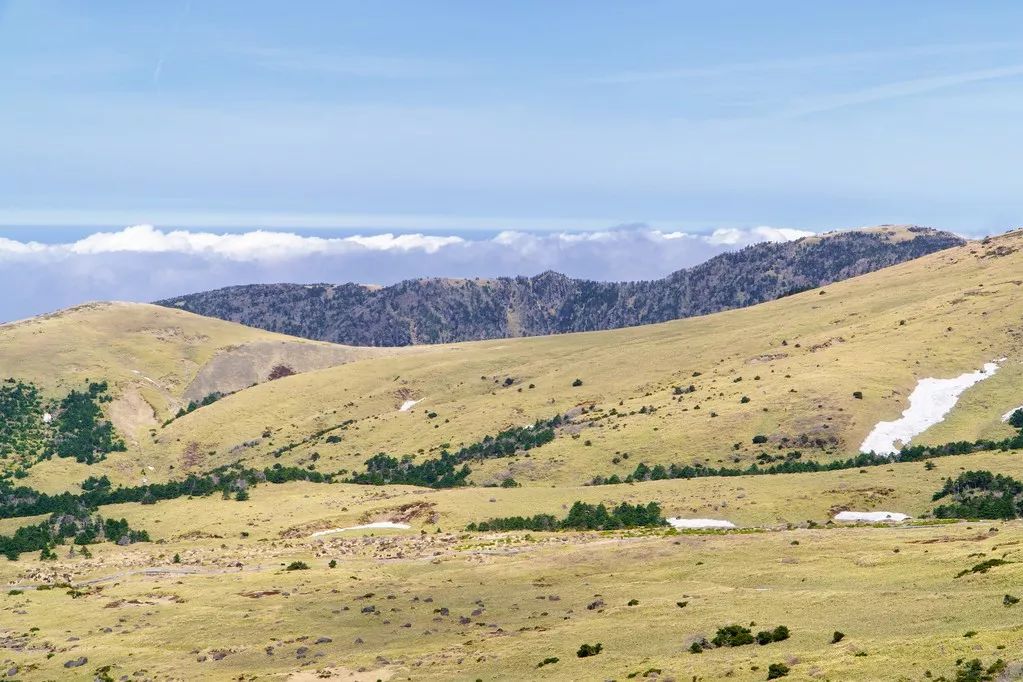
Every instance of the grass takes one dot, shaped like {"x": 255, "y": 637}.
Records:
{"x": 482, "y": 605}
{"x": 823, "y": 347}
{"x": 897, "y": 607}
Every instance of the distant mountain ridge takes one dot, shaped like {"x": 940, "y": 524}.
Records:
{"x": 449, "y": 310}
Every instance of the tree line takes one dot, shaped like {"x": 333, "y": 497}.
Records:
{"x": 450, "y": 470}
{"x": 581, "y": 516}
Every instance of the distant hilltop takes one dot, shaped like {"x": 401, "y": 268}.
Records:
{"x": 441, "y": 310}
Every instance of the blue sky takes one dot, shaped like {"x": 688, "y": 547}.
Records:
{"x": 455, "y": 117}
{"x": 804, "y": 114}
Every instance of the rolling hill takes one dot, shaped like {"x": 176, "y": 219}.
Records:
{"x": 260, "y": 506}
{"x": 446, "y": 310}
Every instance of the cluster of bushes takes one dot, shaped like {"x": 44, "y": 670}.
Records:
{"x": 980, "y": 495}
{"x": 983, "y": 567}
{"x": 78, "y": 428}
{"x": 334, "y": 438}
{"x": 581, "y": 516}
{"x": 444, "y": 472}
{"x": 510, "y": 441}
{"x": 737, "y": 635}
{"x": 793, "y": 464}
{"x": 450, "y": 469}
{"x": 975, "y": 671}
{"x": 195, "y": 405}
{"x": 81, "y": 527}
{"x": 24, "y": 501}
{"x": 22, "y": 430}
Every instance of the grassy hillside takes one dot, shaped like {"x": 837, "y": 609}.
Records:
{"x": 799, "y": 361}
{"x": 155, "y": 360}
{"x": 437, "y": 601}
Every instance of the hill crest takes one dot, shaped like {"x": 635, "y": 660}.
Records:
{"x": 443, "y": 310}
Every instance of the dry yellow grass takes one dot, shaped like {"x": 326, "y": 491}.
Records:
{"x": 937, "y": 316}
{"x": 891, "y": 590}
{"x": 457, "y": 606}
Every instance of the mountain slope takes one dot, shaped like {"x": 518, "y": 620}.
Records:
{"x": 799, "y": 361}
{"x": 444, "y": 310}
{"x": 156, "y": 360}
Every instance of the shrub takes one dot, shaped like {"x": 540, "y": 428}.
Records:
{"x": 858, "y": 395}
{"x": 297, "y": 566}
{"x": 332, "y": 564}
{"x": 550, "y": 660}
{"x": 279, "y": 372}
{"x": 633, "y": 602}
{"x": 982, "y": 567}
{"x": 1010, "y": 600}
{"x": 733, "y": 635}
{"x": 779, "y": 634}
{"x": 744, "y": 399}
{"x": 589, "y": 650}
{"x": 1016, "y": 419}
{"x": 758, "y": 439}
{"x": 577, "y": 382}
{"x": 837, "y": 637}
{"x": 776, "y": 670}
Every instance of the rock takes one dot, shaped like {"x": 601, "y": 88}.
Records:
{"x": 323, "y": 640}
{"x": 76, "y": 662}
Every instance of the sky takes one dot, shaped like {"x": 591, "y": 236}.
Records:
{"x": 569, "y": 135}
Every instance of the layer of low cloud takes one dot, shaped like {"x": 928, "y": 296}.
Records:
{"x": 145, "y": 263}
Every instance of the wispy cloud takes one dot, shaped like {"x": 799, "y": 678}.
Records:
{"x": 820, "y": 61}
{"x": 168, "y": 45}
{"x": 905, "y": 88}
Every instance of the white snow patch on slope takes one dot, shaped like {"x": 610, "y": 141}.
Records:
{"x": 408, "y": 405}
{"x": 700, "y": 523}
{"x": 871, "y": 516}
{"x": 366, "y": 526}
{"x": 929, "y": 402}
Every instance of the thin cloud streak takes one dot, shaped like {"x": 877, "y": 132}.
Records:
{"x": 801, "y": 63}
{"x": 906, "y": 88}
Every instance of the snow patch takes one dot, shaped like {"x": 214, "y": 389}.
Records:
{"x": 408, "y": 405}
{"x": 366, "y": 526}
{"x": 929, "y": 402}
{"x": 871, "y": 516}
{"x": 699, "y": 523}
{"x": 47, "y": 417}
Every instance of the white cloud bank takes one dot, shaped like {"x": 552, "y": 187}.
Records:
{"x": 144, "y": 263}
